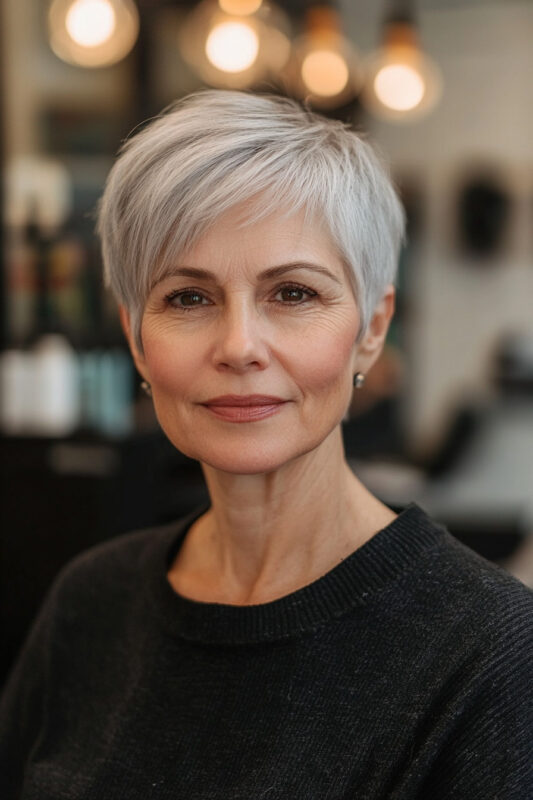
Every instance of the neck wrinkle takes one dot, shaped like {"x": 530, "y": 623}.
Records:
{"x": 267, "y": 535}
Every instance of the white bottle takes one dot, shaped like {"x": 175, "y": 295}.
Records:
{"x": 56, "y": 401}
{"x": 16, "y": 391}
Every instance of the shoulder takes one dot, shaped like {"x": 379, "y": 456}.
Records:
{"x": 450, "y": 596}
{"x": 123, "y": 552}
{"x": 477, "y": 585}
{"x": 115, "y": 572}
{"x": 466, "y": 626}
{"x": 444, "y": 576}
{"x": 484, "y": 621}
{"x": 477, "y": 604}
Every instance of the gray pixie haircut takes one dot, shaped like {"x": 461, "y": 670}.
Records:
{"x": 217, "y": 149}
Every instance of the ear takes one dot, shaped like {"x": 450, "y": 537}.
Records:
{"x": 370, "y": 347}
{"x": 137, "y": 356}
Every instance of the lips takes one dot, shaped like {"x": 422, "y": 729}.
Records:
{"x": 243, "y": 400}
{"x": 244, "y": 408}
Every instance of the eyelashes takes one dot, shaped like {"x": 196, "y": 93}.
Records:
{"x": 193, "y": 297}
{"x": 289, "y": 295}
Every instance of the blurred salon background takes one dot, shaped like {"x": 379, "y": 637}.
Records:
{"x": 446, "y": 416}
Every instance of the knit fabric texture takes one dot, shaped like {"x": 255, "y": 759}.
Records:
{"x": 404, "y": 672}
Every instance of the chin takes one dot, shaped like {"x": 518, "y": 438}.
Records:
{"x": 245, "y": 461}
{"x": 245, "y": 458}
{"x": 242, "y": 466}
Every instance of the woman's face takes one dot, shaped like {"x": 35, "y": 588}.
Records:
{"x": 249, "y": 345}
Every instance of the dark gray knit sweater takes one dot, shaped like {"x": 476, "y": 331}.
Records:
{"x": 404, "y": 672}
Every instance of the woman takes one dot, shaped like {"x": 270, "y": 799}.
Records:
{"x": 296, "y": 639}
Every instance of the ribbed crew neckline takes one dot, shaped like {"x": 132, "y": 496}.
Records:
{"x": 353, "y": 582}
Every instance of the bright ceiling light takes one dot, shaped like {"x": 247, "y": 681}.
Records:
{"x": 235, "y": 51}
{"x": 402, "y": 82}
{"x": 324, "y": 66}
{"x": 400, "y": 87}
{"x": 90, "y": 22}
{"x": 232, "y": 46}
{"x": 325, "y": 72}
{"x": 92, "y": 33}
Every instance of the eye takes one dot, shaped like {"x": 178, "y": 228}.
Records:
{"x": 294, "y": 295}
{"x": 189, "y": 299}
{"x": 186, "y": 299}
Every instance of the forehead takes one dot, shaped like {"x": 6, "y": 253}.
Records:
{"x": 235, "y": 243}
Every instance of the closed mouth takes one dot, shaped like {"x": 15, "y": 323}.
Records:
{"x": 236, "y": 401}
{"x": 244, "y": 408}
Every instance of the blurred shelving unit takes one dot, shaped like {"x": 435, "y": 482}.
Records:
{"x": 106, "y": 468}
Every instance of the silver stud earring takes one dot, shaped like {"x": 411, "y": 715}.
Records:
{"x": 147, "y": 389}
{"x": 358, "y": 380}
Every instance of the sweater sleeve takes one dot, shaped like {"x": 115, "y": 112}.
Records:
{"x": 22, "y": 702}
{"x": 487, "y": 753}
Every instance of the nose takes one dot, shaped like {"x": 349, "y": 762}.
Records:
{"x": 241, "y": 342}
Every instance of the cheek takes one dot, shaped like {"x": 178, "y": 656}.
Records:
{"x": 326, "y": 360}
{"x": 169, "y": 366}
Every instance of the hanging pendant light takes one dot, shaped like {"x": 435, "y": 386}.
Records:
{"x": 324, "y": 68}
{"x": 402, "y": 82}
{"x": 92, "y": 33}
{"x": 235, "y": 43}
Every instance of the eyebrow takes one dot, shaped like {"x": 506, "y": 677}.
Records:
{"x": 271, "y": 272}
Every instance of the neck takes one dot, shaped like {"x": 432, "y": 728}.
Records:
{"x": 269, "y": 534}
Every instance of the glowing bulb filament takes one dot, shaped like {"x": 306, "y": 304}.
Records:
{"x": 232, "y": 46}
{"x": 325, "y": 72}
{"x": 90, "y": 23}
{"x": 399, "y": 87}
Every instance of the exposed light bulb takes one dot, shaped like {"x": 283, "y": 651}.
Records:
{"x": 399, "y": 87}
{"x": 235, "y": 51}
{"x": 325, "y": 72}
{"x": 92, "y": 33}
{"x": 324, "y": 66}
{"x": 90, "y": 22}
{"x": 240, "y": 7}
{"x": 232, "y": 46}
{"x": 402, "y": 82}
